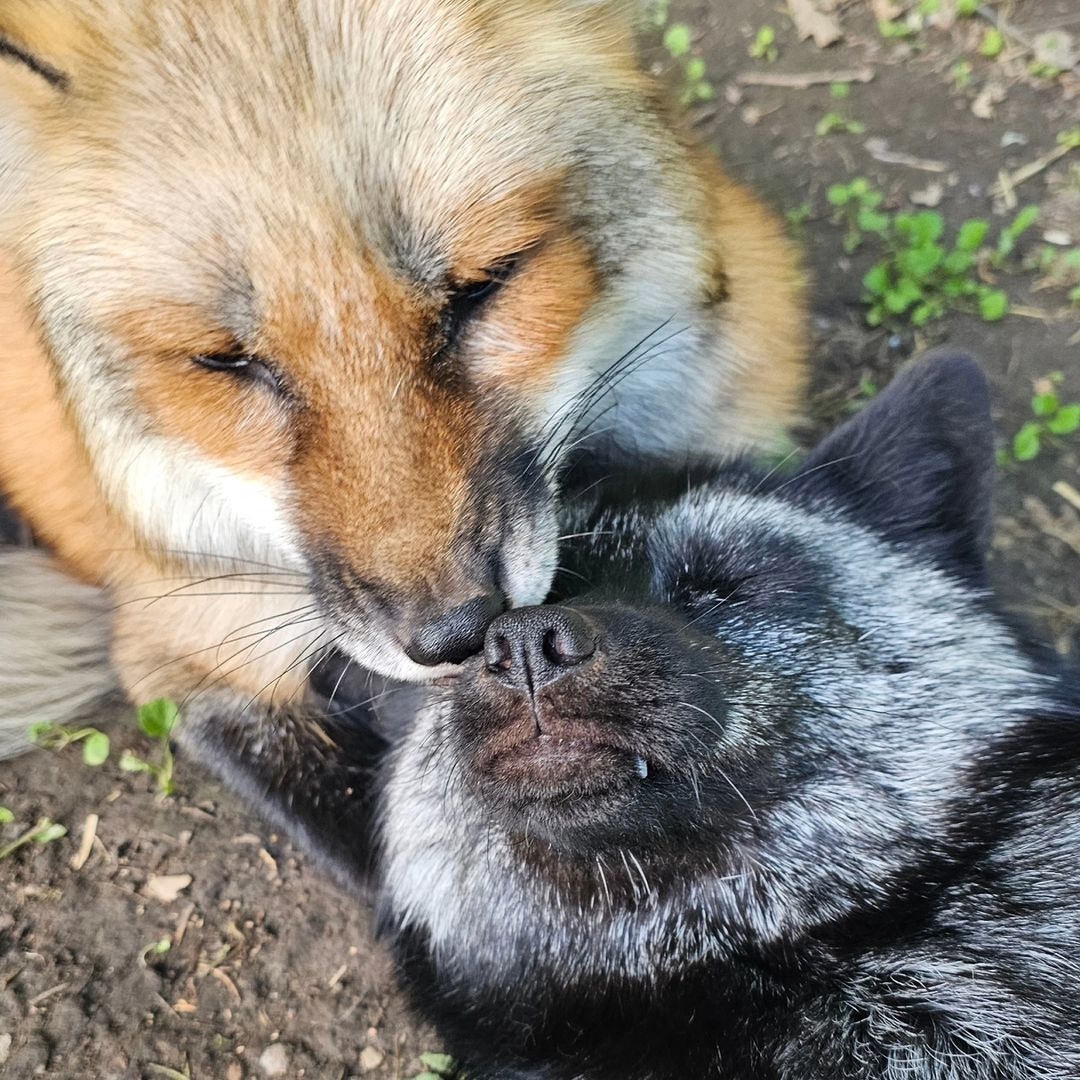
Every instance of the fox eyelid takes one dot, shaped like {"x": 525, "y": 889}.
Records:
{"x": 465, "y": 300}
{"x": 244, "y": 366}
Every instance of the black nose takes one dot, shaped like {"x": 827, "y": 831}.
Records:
{"x": 456, "y": 634}
{"x": 527, "y": 648}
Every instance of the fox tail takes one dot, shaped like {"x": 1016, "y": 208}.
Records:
{"x": 54, "y": 648}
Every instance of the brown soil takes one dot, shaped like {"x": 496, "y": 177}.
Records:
{"x": 268, "y": 961}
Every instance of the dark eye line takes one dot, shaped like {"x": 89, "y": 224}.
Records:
{"x": 245, "y": 366}
{"x": 465, "y": 300}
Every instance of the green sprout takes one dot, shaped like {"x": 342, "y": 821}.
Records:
{"x": 993, "y": 43}
{"x": 836, "y": 123}
{"x": 157, "y": 720}
{"x": 764, "y": 47}
{"x": 1051, "y": 419}
{"x": 439, "y": 1067}
{"x": 44, "y": 832}
{"x": 95, "y": 744}
{"x": 678, "y": 39}
{"x": 857, "y": 207}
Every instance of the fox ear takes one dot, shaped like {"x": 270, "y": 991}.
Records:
{"x": 917, "y": 464}
{"x": 34, "y": 38}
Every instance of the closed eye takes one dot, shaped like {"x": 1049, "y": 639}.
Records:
{"x": 245, "y": 366}
{"x": 467, "y": 299}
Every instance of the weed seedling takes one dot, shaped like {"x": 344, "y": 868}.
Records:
{"x": 95, "y": 744}
{"x": 678, "y": 39}
{"x": 157, "y": 720}
{"x": 1051, "y": 419}
{"x": 895, "y": 29}
{"x": 993, "y": 43}
{"x": 856, "y": 205}
{"x": 966, "y": 8}
{"x": 439, "y": 1067}
{"x": 1012, "y": 232}
{"x": 155, "y": 948}
{"x": 764, "y": 46}
{"x": 6, "y": 816}
{"x": 960, "y": 73}
{"x": 921, "y": 277}
{"x": 44, "y": 832}
{"x": 833, "y": 123}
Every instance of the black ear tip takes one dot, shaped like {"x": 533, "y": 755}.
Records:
{"x": 949, "y": 379}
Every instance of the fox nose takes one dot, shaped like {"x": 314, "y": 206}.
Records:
{"x": 458, "y": 633}
{"x": 528, "y": 648}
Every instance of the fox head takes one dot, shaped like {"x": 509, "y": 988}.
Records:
{"x": 750, "y": 723}
{"x": 332, "y": 286}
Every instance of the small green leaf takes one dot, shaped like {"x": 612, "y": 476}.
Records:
{"x": 839, "y": 194}
{"x": 130, "y": 763}
{"x": 95, "y": 748}
{"x": 40, "y": 731}
{"x": 1027, "y": 442}
{"x": 764, "y": 44}
{"x": 6, "y": 816}
{"x": 158, "y": 718}
{"x": 876, "y": 281}
{"x": 695, "y": 68}
{"x": 840, "y": 90}
{"x": 993, "y": 43}
{"x": 966, "y": 8}
{"x": 1066, "y": 421}
{"x": 677, "y": 39}
{"x": 1019, "y": 225}
{"x": 993, "y": 305}
{"x": 427, "y": 1076}
{"x": 1045, "y": 404}
{"x": 902, "y": 296}
{"x": 872, "y": 221}
{"x": 957, "y": 263}
{"x": 972, "y": 234}
{"x": 50, "y": 831}
{"x": 920, "y": 262}
{"x": 442, "y": 1064}
{"x": 922, "y": 314}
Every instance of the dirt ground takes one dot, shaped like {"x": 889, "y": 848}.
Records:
{"x": 270, "y": 969}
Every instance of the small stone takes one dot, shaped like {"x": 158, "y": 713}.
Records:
{"x": 235, "y": 1071}
{"x": 931, "y": 195}
{"x": 5, "y": 1048}
{"x": 1058, "y": 237}
{"x": 371, "y": 1058}
{"x": 274, "y": 1060}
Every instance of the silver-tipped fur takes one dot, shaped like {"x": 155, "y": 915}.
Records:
{"x": 54, "y": 655}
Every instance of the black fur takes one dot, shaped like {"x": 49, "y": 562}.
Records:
{"x": 807, "y": 810}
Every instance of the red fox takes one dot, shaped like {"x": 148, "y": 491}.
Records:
{"x": 307, "y": 302}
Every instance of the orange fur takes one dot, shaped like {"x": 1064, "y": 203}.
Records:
{"x": 281, "y": 178}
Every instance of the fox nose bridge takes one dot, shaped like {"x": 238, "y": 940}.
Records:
{"x": 529, "y": 648}
{"x": 454, "y": 635}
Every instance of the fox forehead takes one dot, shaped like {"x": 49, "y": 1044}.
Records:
{"x": 423, "y": 131}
